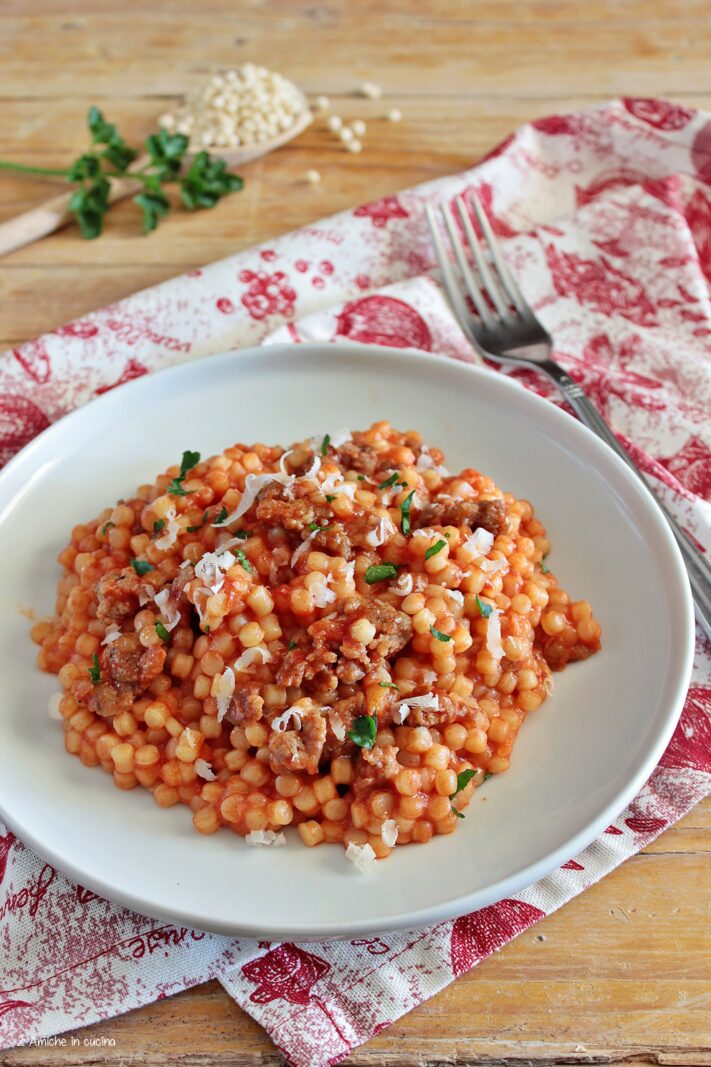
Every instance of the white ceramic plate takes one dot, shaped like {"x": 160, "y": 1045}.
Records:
{"x": 577, "y": 762}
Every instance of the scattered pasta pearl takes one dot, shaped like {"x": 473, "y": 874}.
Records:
{"x": 335, "y": 123}
{"x": 371, "y": 90}
{"x": 358, "y": 127}
{"x": 322, "y": 103}
{"x": 394, "y": 114}
{"x": 313, "y": 177}
{"x": 354, "y": 146}
{"x": 346, "y": 134}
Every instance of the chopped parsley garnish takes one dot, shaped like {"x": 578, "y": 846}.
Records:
{"x": 405, "y": 523}
{"x": 463, "y": 780}
{"x": 222, "y": 515}
{"x": 192, "y": 529}
{"x": 207, "y": 629}
{"x": 439, "y": 635}
{"x": 330, "y": 498}
{"x": 243, "y": 534}
{"x": 324, "y": 444}
{"x": 107, "y": 526}
{"x": 544, "y": 568}
{"x": 390, "y": 481}
{"x": 315, "y": 528}
{"x": 485, "y": 610}
{"x": 365, "y": 728}
{"x": 141, "y": 566}
{"x": 158, "y": 525}
{"x": 380, "y": 572}
{"x": 389, "y": 685}
{"x": 434, "y": 549}
{"x": 291, "y": 646}
{"x": 162, "y": 632}
{"x": 189, "y": 460}
{"x": 487, "y": 776}
{"x": 239, "y": 553}
{"x": 95, "y": 671}
{"x": 361, "y": 477}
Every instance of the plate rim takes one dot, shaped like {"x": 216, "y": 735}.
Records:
{"x": 522, "y": 877}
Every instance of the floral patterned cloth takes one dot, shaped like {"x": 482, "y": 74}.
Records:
{"x": 606, "y": 219}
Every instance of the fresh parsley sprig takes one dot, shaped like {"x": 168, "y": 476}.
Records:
{"x": 364, "y": 732}
{"x": 201, "y": 185}
{"x": 189, "y": 460}
{"x": 463, "y": 780}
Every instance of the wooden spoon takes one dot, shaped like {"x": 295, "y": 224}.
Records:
{"x": 53, "y": 214}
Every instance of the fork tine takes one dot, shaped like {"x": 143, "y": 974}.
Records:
{"x": 450, "y": 282}
{"x": 510, "y": 284}
{"x": 491, "y": 285}
{"x": 468, "y": 275}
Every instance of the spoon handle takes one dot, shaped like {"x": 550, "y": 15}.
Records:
{"x": 50, "y": 216}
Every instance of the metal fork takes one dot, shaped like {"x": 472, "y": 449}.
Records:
{"x": 505, "y": 328}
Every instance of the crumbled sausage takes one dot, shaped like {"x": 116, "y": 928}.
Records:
{"x": 288, "y": 514}
{"x": 107, "y": 701}
{"x": 334, "y": 539}
{"x": 489, "y": 514}
{"x": 128, "y": 663}
{"x": 118, "y": 595}
{"x": 245, "y": 706}
{"x": 393, "y": 630}
{"x": 298, "y": 665}
{"x": 356, "y": 456}
{"x": 557, "y": 655}
{"x": 299, "y": 750}
{"x": 450, "y": 708}
{"x": 375, "y": 767}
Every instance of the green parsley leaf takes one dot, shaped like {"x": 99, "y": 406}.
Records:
{"x": 324, "y": 444}
{"x": 243, "y": 534}
{"x": 380, "y": 572}
{"x": 155, "y": 205}
{"x": 463, "y": 780}
{"x": 434, "y": 549}
{"x": 439, "y": 635}
{"x": 487, "y": 776}
{"x": 330, "y": 498}
{"x": 107, "y": 526}
{"x": 207, "y": 629}
{"x": 158, "y": 525}
{"x": 291, "y": 646}
{"x": 223, "y": 513}
{"x": 206, "y": 182}
{"x": 192, "y": 529}
{"x": 189, "y": 460}
{"x": 361, "y": 477}
{"x": 239, "y": 553}
{"x": 389, "y": 685}
{"x": 95, "y": 670}
{"x": 162, "y": 632}
{"x": 390, "y": 481}
{"x": 485, "y": 610}
{"x": 544, "y": 568}
{"x": 405, "y": 512}
{"x": 315, "y": 528}
{"x": 364, "y": 731}
{"x": 141, "y": 566}
{"x": 166, "y": 151}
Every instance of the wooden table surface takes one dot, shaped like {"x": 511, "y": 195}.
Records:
{"x": 623, "y": 973}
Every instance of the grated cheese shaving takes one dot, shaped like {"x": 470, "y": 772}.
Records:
{"x": 481, "y": 541}
{"x": 322, "y": 595}
{"x": 333, "y": 484}
{"x": 404, "y": 707}
{"x": 382, "y": 532}
{"x": 223, "y": 689}
{"x": 251, "y": 655}
{"x": 53, "y": 706}
{"x": 113, "y": 633}
{"x": 455, "y": 594}
{"x": 281, "y": 723}
{"x": 167, "y": 609}
{"x": 403, "y": 586}
{"x": 282, "y": 462}
{"x": 493, "y": 566}
{"x": 145, "y": 595}
{"x": 303, "y": 547}
{"x": 204, "y": 770}
{"x": 493, "y": 634}
{"x": 257, "y": 838}
{"x": 340, "y": 437}
{"x": 338, "y": 726}
{"x": 389, "y": 832}
{"x": 211, "y": 567}
{"x": 254, "y": 483}
{"x": 173, "y": 528}
{"x": 426, "y": 463}
{"x": 362, "y": 857}
{"x": 313, "y": 469}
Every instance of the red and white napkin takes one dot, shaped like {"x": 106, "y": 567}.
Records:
{"x": 606, "y": 219}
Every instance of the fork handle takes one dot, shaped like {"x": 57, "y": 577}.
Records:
{"x": 696, "y": 564}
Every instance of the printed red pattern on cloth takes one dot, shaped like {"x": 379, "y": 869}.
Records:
{"x": 606, "y": 219}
